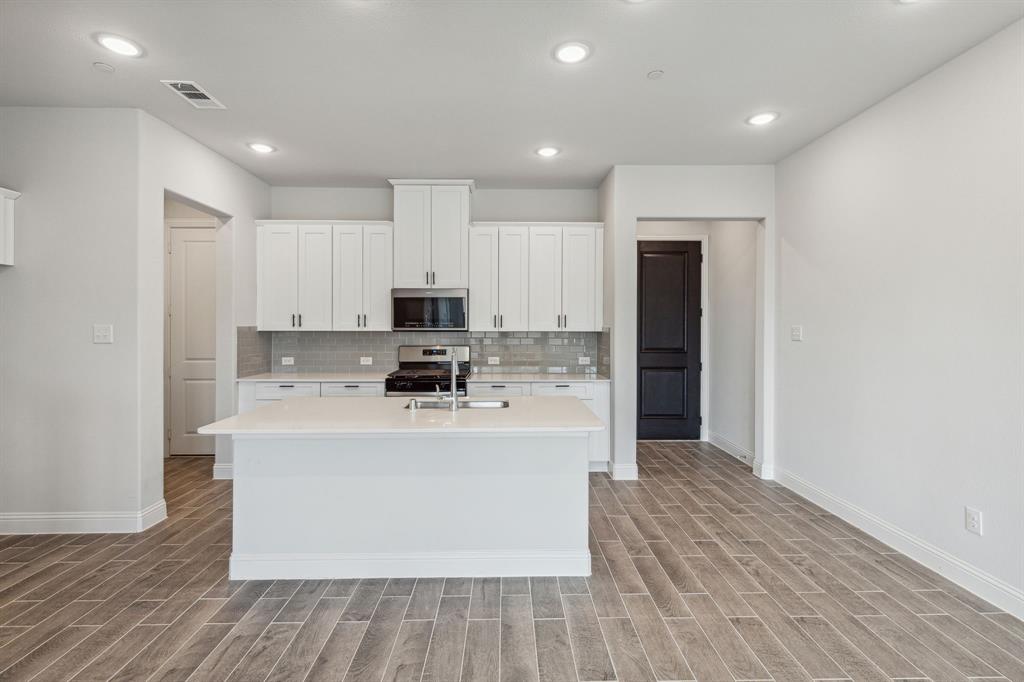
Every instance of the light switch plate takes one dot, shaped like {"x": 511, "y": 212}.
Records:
{"x": 103, "y": 333}
{"x": 584, "y": 360}
{"x": 365, "y": 360}
{"x": 796, "y": 333}
{"x": 493, "y": 361}
{"x": 287, "y": 361}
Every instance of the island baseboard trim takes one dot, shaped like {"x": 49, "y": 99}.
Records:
{"x": 626, "y": 471}
{"x": 412, "y": 565}
{"x": 223, "y": 472}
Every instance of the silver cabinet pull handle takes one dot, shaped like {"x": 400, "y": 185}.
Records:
{"x": 501, "y": 321}
{"x": 293, "y": 319}
{"x": 498, "y": 386}
{"x": 426, "y": 275}
{"x": 565, "y": 321}
{"x": 433, "y": 278}
{"x": 300, "y": 319}
{"x": 561, "y": 385}
{"x": 357, "y": 319}
{"x": 351, "y": 386}
{"x": 495, "y": 321}
{"x": 364, "y": 319}
{"x": 286, "y": 386}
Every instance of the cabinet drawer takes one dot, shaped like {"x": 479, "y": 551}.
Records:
{"x": 354, "y": 389}
{"x": 579, "y": 389}
{"x": 265, "y": 391}
{"x": 497, "y": 389}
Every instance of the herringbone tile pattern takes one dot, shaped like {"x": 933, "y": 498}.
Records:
{"x": 700, "y": 571}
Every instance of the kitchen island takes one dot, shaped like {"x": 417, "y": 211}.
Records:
{"x": 365, "y": 487}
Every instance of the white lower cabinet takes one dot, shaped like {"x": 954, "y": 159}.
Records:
{"x": 596, "y": 395}
{"x": 252, "y": 394}
{"x": 354, "y": 390}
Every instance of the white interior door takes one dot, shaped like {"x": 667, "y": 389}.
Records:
{"x": 579, "y": 282}
{"x": 513, "y": 279}
{"x": 483, "y": 279}
{"x": 277, "y": 282}
{"x": 412, "y": 236}
{"x": 449, "y": 236}
{"x": 348, "y": 277}
{"x": 377, "y": 277}
{"x": 545, "y": 279}
{"x": 192, "y": 339}
{"x": 315, "y": 277}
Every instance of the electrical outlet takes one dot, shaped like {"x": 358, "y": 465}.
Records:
{"x": 287, "y": 361}
{"x": 103, "y": 333}
{"x": 796, "y": 333}
{"x": 972, "y": 521}
{"x": 493, "y": 361}
{"x": 365, "y": 360}
{"x": 584, "y": 360}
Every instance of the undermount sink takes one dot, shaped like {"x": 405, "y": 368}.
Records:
{"x": 415, "y": 404}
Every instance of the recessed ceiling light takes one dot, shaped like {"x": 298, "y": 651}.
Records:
{"x": 572, "y": 53}
{"x": 103, "y": 67}
{"x": 763, "y": 119}
{"x": 655, "y": 75}
{"x": 119, "y": 45}
{"x": 262, "y": 147}
{"x": 548, "y": 152}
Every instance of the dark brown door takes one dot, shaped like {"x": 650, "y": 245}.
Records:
{"x": 668, "y": 340}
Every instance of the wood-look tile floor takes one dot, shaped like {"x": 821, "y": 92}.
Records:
{"x": 700, "y": 571}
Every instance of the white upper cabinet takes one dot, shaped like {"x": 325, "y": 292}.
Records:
{"x": 315, "y": 268}
{"x": 377, "y": 277}
{"x": 565, "y": 281}
{"x": 431, "y": 238}
{"x": 362, "y": 277}
{"x": 513, "y": 279}
{"x": 412, "y": 236}
{"x": 348, "y": 277}
{"x": 277, "y": 277}
{"x": 545, "y": 279}
{"x": 323, "y": 276}
{"x": 483, "y": 279}
{"x": 579, "y": 280}
{"x": 449, "y": 237}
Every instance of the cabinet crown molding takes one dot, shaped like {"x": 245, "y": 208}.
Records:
{"x": 436, "y": 183}
{"x": 9, "y": 193}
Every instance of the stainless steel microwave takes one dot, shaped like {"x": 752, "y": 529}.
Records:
{"x": 429, "y": 309}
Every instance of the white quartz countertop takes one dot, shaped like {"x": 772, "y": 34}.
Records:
{"x": 323, "y": 377}
{"x": 308, "y": 416}
{"x": 511, "y": 378}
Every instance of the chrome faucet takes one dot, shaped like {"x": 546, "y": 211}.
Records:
{"x": 455, "y": 380}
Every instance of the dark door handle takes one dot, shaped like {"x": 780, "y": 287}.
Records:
{"x": 501, "y": 321}
{"x": 300, "y": 319}
{"x": 293, "y": 319}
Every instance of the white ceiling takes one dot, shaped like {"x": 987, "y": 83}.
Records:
{"x": 355, "y": 91}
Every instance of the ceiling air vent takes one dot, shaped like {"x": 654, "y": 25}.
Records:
{"x": 194, "y": 94}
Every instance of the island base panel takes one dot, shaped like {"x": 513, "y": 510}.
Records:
{"x": 410, "y": 506}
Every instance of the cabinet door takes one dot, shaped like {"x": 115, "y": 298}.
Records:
{"x": 412, "y": 237}
{"x": 513, "y": 279}
{"x": 483, "y": 279}
{"x": 277, "y": 277}
{"x": 449, "y": 237}
{"x": 377, "y": 277}
{"x": 579, "y": 281}
{"x": 315, "y": 277}
{"x": 545, "y": 295}
{"x": 348, "y": 277}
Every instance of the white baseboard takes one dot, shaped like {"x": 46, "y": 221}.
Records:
{"x": 971, "y": 578}
{"x": 422, "y": 565}
{"x": 601, "y": 466}
{"x": 626, "y": 471}
{"x": 737, "y": 451}
{"x": 222, "y": 472}
{"x": 25, "y": 523}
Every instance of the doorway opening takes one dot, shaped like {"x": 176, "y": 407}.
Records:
{"x": 697, "y": 327}
{"x": 190, "y": 326}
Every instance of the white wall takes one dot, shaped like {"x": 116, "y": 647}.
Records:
{"x": 371, "y": 203}
{"x": 171, "y": 161}
{"x": 631, "y": 193}
{"x": 68, "y": 433}
{"x": 732, "y": 268}
{"x": 902, "y": 255}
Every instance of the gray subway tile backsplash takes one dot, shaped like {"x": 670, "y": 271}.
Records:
{"x": 518, "y": 352}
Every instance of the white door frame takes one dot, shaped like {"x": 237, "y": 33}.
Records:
{"x": 705, "y": 322}
{"x": 170, "y": 224}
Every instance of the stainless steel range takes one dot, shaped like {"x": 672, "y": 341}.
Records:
{"x": 426, "y": 371}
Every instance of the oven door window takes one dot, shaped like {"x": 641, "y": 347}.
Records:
{"x": 429, "y": 313}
